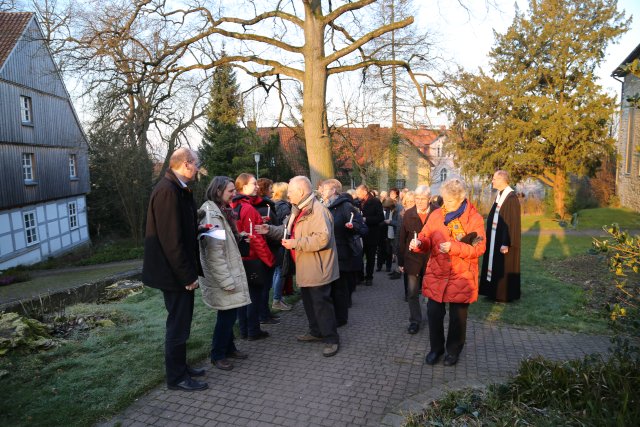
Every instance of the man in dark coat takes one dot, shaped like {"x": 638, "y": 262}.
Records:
{"x": 500, "y": 275}
{"x": 413, "y": 264}
{"x": 348, "y": 226}
{"x": 171, "y": 262}
{"x": 373, "y": 214}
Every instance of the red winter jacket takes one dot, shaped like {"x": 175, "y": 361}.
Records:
{"x": 452, "y": 277}
{"x": 258, "y": 248}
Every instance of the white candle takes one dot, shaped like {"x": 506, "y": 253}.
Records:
{"x": 351, "y": 219}
{"x": 284, "y": 235}
{"x": 250, "y": 227}
{"x": 415, "y": 235}
{"x": 268, "y": 210}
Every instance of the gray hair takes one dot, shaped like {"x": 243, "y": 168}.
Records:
{"x": 422, "y": 190}
{"x": 303, "y": 181}
{"x": 454, "y": 188}
{"x": 503, "y": 174}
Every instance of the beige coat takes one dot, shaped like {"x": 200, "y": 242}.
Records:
{"x": 315, "y": 247}
{"x": 224, "y": 285}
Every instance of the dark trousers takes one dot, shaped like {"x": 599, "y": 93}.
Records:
{"x": 414, "y": 286}
{"x": 222, "y": 340}
{"x": 179, "y": 305}
{"x": 248, "y": 316}
{"x": 385, "y": 256}
{"x": 369, "y": 251}
{"x": 351, "y": 277}
{"x": 340, "y": 297}
{"x": 457, "y": 326}
{"x": 319, "y": 309}
{"x": 264, "y": 309}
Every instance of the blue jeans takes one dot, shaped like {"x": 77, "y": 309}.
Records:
{"x": 222, "y": 340}
{"x": 278, "y": 283}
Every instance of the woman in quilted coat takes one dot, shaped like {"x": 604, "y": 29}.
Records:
{"x": 454, "y": 238}
{"x": 224, "y": 284}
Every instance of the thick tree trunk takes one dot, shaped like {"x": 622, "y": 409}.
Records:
{"x": 559, "y": 190}
{"x": 314, "y": 95}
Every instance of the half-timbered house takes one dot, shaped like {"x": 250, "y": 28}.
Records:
{"x": 44, "y": 174}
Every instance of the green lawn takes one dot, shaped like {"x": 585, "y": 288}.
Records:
{"x": 546, "y": 302}
{"x": 100, "y": 373}
{"x": 588, "y": 219}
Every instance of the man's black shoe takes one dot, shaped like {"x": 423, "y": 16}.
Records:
{"x": 450, "y": 360}
{"x": 433, "y": 357}
{"x": 413, "y": 328}
{"x": 189, "y": 385}
{"x": 195, "y": 372}
{"x": 261, "y": 335}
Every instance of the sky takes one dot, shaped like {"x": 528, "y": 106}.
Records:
{"x": 468, "y": 38}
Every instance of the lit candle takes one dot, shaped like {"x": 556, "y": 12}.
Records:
{"x": 351, "y": 219}
{"x": 415, "y": 235}
{"x": 268, "y": 210}
{"x": 250, "y": 227}
{"x": 284, "y": 235}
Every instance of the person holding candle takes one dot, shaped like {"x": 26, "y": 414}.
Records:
{"x": 266, "y": 208}
{"x": 223, "y": 282}
{"x": 454, "y": 238}
{"x": 282, "y": 283}
{"x": 373, "y": 215}
{"x": 348, "y": 227}
{"x": 258, "y": 260}
{"x": 413, "y": 264}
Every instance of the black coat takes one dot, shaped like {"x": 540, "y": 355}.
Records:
{"x": 347, "y": 240}
{"x": 504, "y": 285}
{"x": 374, "y": 216}
{"x": 283, "y": 209}
{"x": 171, "y": 254}
{"x": 414, "y": 263}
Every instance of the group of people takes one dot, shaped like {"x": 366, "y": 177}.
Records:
{"x": 250, "y": 236}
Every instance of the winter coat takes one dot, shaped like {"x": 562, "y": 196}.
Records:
{"x": 283, "y": 209}
{"x": 414, "y": 263}
{"x": 347, "y": 240}
{"x": 248, "y": 215}
{"x": 224, "y": 282}
{"x": 316, "y": 255}
{"x": 171, "y": 259}
{"x": 374, "y": 216}
{"x": 264, "y": 207}
{"x": 452, "y": 277}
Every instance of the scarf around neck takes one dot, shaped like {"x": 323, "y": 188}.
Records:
{"x": 450, "y": 216}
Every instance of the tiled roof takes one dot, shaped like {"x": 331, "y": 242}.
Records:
{"x": 12, "y": 25}
{"x": 349, "y": 144}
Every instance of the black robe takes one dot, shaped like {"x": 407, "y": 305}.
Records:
{"x": 505, "y": 276}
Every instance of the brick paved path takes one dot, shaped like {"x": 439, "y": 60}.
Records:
{"x": 379, "y": 370}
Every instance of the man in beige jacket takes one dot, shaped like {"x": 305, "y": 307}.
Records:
{"x": 310, "y": 238}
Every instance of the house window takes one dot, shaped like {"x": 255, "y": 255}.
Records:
{"x": 72, "y": 166}
{"x": 30, "y": 227}
{"x": 25, "y": 110}
{"x": 73, "y": 215}
{"x": 628, "y": 152}
{"x": 27, "y": 167}
{"x": 401, "y": 183}
{"x": 443, "y": 175}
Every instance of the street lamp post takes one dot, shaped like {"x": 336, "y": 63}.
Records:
{"x": 256, "y": 157}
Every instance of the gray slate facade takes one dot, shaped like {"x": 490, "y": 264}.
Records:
{"x": 44, "y": 173}
{"x": 628, "y": 146}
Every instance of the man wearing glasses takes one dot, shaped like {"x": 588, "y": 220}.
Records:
{"x": 171, "y": 262}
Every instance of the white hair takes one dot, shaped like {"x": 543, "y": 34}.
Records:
{"x": 422, "y": 190}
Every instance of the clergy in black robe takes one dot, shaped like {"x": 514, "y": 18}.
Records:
{"x": 500, "y": 274}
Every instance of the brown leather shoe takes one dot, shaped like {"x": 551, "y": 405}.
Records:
{"x": 223, "y": 364}
{"x": 237, "y": 355}
{"x": 308, "y": 338}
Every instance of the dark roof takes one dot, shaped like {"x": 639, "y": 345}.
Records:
{"x": 13, "y": 25}
{"x": 618, "y": 72}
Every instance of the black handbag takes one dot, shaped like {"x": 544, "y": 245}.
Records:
{"x": 288, "y": 264}
{"x": 258, "y": 274}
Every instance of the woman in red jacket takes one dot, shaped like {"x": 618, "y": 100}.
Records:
{"x": 454, "y": 238}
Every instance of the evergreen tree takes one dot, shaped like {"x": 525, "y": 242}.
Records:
{"x": 225, "y": 147}
{"x": 541, "y": 113}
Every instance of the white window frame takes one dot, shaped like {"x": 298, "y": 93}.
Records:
{"x": 26, "y": 110}
{"x": 72, "y": 210}
{"x": 443, "y": 175}
{"x": 73, "y": 170}
{"x": 30, "y": 222}
{"x": 28, "y": 169}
